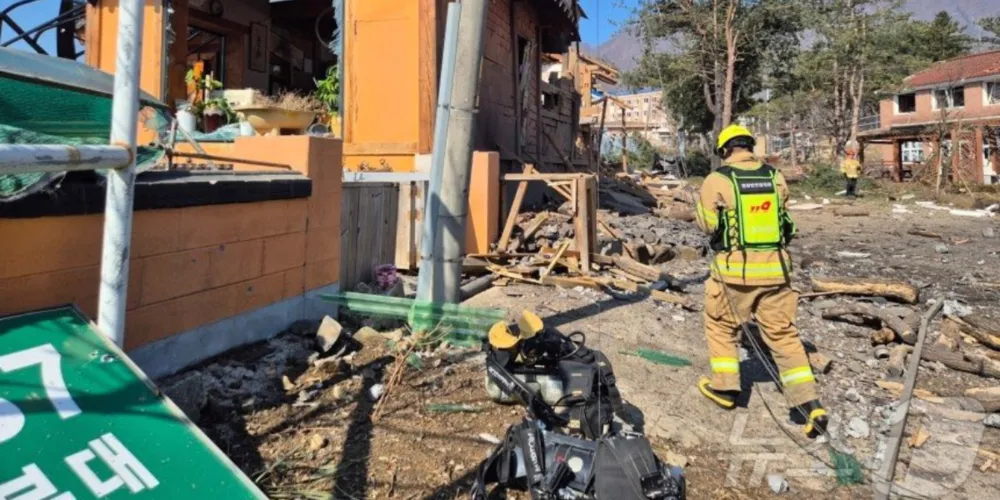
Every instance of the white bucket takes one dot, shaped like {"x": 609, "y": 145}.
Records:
{"x": 187, "y": 121}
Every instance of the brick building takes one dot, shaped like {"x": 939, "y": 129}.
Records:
{"x": 957, "y": 100}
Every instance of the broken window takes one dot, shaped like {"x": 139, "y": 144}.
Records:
{"x": 992, "y": 93}
{"x": 906, "y": 103}
{"x": 550, "y": 100}
{"x": 953, "y": 97}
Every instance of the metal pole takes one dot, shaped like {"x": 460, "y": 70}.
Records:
{"x": 121, "y": 182}
{"x": 432, "y": 205}
{"x": 23, "y": 158}
{"x": 454, "y": 192}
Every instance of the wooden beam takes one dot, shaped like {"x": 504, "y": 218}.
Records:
{"x": 515, "y": 208}
{"x": 427, "y": 65}
{"x": 561, "y": 190}
{"x": 555, "y": 260}
{"x": 586, "y": 220}
{"x": 538, "y": 176}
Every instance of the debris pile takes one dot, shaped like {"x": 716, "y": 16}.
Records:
{"x": 887, "y": 315}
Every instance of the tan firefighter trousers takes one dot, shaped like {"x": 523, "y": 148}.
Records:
{"x": 774, "y": 307}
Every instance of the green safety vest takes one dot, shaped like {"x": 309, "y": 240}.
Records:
{"x": 758, "y": 221}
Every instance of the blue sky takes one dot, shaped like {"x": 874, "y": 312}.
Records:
{"x": 605, "y": 18}
{"x": 29, "y": 16}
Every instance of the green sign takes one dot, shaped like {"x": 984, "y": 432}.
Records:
{"x": 79, "y": 421}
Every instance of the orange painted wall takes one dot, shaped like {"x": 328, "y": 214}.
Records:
{"x": 389, "y": 57}
{"x": 102, "y": 40}
{"x": 483, "y": 225}
{"x": 190, "y": 266}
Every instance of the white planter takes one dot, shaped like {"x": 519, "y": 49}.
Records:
{"x": 187, "y": 121}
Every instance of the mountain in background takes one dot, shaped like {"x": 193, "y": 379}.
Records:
{"x": 624, "y": 47}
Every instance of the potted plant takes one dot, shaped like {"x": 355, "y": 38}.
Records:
{"x": 216, "y": 113}
{"x": 328, "y": 93}
{"x": 288, "y": 111}
{"x": 213, "y": 112}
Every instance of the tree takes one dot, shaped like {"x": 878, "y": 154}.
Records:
{"x": 721, "y": 45}
{"x": 992, "y": 27}
{"x": 860, "y": 47}
{"x": 941, "y": 39}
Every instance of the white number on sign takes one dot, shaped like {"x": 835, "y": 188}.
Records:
{"x": 11, "y": 418}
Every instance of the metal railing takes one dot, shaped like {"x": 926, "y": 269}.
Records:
{"x": 65, "y": 24}
{"x": 873, "y": 122}
{"x": 118, "y": 157}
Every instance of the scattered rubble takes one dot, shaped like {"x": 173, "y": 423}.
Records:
{"x": 189, "y": 394}
{"x": 777, "y": 483}
{"x": 857, "y": 428}
{"x": 328, "y": 334}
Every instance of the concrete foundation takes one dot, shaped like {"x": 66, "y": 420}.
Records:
{"x": 172, "y": 354}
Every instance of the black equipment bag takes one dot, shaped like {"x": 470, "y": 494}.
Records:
{"x": 626, "y": 468}
{"x": 589, "y": 382}
{"x": 554, "y": 466}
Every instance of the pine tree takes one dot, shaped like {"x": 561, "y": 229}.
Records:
{"x": 941, "y": 39}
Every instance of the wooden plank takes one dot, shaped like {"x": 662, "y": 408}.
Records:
{"x": 567, "y": 282}
{"x": 348, "y": 235}
{"x": 562, "y": 190}
{"x": 369, "y": 230}
{"x": 427, "y": 40}
{"x": 535, "y": 225}
{"x": 555, "y": 260}
{"x": 405, "y": 226}
{"x": 390, "y": 207}
{"x": 539, "y": 176}
{"x": 585, "y": 222}
{"x": 883, "y": 483}
{"x": 515, "y": 208}
{"x": 419, "y": 213}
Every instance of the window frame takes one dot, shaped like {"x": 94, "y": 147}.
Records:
{"x": 949, "y": 93}
{"x": 896, "y": 108}
{"x": 915, "y": 152}
{"x": 986, "y": 93}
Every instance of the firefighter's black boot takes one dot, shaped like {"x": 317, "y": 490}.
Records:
{"x": 816, "y": 419}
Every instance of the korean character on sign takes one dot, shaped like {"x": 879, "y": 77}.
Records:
{"x": 128, "y": 470}
{"x": 33, "y": 485}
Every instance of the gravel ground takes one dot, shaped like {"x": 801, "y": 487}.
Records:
{"x": 304, "y": 429}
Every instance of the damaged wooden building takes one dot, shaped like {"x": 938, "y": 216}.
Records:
{"x": 393, "y": 63}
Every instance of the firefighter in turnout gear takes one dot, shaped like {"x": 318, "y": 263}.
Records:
{"x": 851, "y": 169}
{"x": 742, "y": 205}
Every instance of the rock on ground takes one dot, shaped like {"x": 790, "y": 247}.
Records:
{"x": 328, "y": 333}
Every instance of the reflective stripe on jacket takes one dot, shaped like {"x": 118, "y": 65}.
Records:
{"x": 758, "y": 267}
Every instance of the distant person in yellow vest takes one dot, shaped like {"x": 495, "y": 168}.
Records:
{"x": 851, "y": 168}
{"x": 742, "y": 205}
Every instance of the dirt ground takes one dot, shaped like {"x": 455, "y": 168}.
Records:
{"x": 312, "y": 436}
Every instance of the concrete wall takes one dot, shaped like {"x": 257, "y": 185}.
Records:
{"x": 194, "y": 267}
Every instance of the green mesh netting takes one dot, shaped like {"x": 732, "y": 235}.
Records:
{"x": 46, "y": 100}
